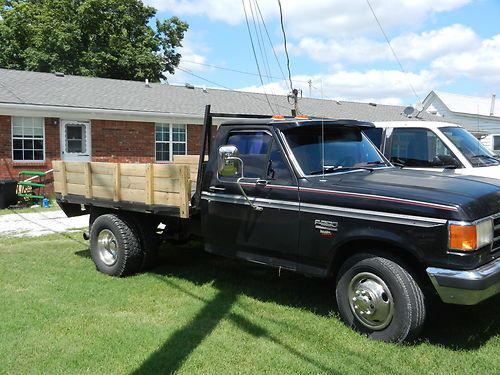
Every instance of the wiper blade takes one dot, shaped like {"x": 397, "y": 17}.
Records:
{"x": 332, "y": 169}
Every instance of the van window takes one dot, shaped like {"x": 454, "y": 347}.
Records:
{"x": 496, "y": 142}
{"x": 419, "y": 148}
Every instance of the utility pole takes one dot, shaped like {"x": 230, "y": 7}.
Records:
{"x": 310, "y": 87}
{"x": 293, "y": 98}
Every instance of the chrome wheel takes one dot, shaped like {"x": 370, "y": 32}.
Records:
{"x": 107, "y": 247}
{"x": 371, "y": 301}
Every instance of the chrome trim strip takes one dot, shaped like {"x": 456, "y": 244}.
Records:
{"x": 386, "y": 217}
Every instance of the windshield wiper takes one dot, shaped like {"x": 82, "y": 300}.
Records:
{"x": 330, "y": 169}
{"x": 485, "y": 156}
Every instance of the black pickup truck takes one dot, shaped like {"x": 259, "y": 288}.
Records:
{"x": 316, "y": 197}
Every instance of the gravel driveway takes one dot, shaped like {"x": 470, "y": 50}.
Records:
{"x": 40, "y": 223}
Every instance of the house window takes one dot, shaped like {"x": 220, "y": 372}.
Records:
{"x": 496, "y": 142}
{"x": 170, "y": 140}
{"x": 28, "y": 139}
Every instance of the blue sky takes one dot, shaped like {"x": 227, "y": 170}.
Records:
{"x": 447, "y": 45}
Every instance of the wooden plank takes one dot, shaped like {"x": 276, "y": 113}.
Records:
{"x": 166, "y": 199}
{"x": 131, "y": 195}
{"x": 64, "y": 179}
{"x": 167, "y": 170}
{"x": 150, "y": 184}
{"x": 76, "y": 189}
{"x": 75, "y": 178}
{"x": 105, "y": 192}
{"x": 73, "y": 166}
{"x": 117, "y": 177}
{"x": 103, "y": 180}
{"x": 185, "y": 191}
{"x": 137, "y": 170}
{"x": 88, "y": 180}
{"x": 103, "y": 168}
{"x": 168, "y": 185}
{"x": 131, "y": 182}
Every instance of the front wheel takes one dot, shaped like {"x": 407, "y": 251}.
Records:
{"x": 379, "y": 298}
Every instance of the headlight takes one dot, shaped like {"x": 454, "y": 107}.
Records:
{"x": 470, "y": 236}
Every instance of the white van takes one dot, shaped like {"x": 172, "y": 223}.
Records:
{"x": 434, "y": 146}
{"x": 492, "y": 143}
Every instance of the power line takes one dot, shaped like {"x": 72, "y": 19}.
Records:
{"x": 286, "y": 48}
{"x": 236, "y": 70}
{"x": 270, "y": 41}
{"x": 228, "y": 88}
{"x": 255, "y": 54}
{"x": 393, "y": 52}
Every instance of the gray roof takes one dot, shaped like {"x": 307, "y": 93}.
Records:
{"x": 47, "y": 89}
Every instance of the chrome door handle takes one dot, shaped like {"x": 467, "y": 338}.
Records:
{"x": 216, "y": 188}
{"x": 261, "y": 182}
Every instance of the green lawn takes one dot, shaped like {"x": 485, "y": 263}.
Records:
{"x": 53, "y": 207}
{"x": 201, "y": 314}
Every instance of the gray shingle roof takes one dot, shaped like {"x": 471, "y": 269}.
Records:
{"x": 47, "y": 89}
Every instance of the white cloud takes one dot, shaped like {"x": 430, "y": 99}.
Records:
{"x": 480, "y": 63}
{"x": 380, "y": 86}
{"x": 319, "y": 17}
{"x": 408, "y": 46}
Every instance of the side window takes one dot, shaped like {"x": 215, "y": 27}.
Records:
{"x": 419, "y": 148}
{"x": 496, "y": 143}
{"x": 375, "y": 135}
{"x": 277, "y": 171}
{"x": 253, "y": 148}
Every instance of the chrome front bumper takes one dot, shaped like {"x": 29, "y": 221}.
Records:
{"x": 466, "y": 287}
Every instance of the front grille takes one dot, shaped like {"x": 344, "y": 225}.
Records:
{"x": 496, "y": 234}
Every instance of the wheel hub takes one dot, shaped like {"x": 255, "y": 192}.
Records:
{"x": 371, "y": 301}
{"x": 107, "y": 247}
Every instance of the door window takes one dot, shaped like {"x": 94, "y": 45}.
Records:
{"x": 253, "y": 149}
{"x": 75, "y": 138}
{"x": 496, "y": 143}
{"x": 277, "y": 171}
{"x": 419, "y": 148}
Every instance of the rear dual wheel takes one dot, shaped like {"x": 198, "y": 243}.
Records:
{"x": 121, "y": 247}
{"x": 379, "y": 298}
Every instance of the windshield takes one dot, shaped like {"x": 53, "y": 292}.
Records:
{"x": 470, "y": 147}
{"x": 344, "y": 148}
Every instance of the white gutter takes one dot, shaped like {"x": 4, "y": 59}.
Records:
{"x": 81, "y": 113}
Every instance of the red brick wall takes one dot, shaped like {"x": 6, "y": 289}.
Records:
{"x": 123, "y": 141}
{"x": 9, "y": 170}
{"x": 194, "y": 133}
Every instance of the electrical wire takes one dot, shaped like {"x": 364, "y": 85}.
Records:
{"x": 228, "y": 88}
{"x": 286, "y": 48}
{"x": 393, "y": 51}
{"x": 255, "y": 55}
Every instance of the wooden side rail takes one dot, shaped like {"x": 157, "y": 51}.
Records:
{"x": 151, "y": 184}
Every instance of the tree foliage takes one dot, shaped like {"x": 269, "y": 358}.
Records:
{"x": 102, "y": 38}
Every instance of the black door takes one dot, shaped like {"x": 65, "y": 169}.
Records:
{"x": 231, "y": 226}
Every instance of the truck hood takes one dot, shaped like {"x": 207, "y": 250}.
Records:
{"x": 410, "y": 192}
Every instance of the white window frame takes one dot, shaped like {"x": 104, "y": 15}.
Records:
{"x": 12, "y": 137}
{"x": 171, "y": 141}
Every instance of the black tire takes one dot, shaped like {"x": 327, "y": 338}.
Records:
{"x": 115, "y": 247}
{"x": 379, "y": 298}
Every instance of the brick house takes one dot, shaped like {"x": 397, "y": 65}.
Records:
{"x": 46, "y": 116}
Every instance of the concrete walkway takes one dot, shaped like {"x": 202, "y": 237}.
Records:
{"x": 35, "y": 224}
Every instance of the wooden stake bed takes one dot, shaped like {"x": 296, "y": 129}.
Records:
{"x": 152, "y": 187}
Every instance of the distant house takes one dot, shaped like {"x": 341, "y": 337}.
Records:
{"x": 46, "y": 116}
{"x": 479, "y": 115}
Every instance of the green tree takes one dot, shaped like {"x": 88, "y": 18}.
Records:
{"x": 102, "y": 38}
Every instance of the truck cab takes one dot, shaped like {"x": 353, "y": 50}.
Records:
{"x": 434, "y": 146}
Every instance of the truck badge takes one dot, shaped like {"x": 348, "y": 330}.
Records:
{"x": 325, "y": 227}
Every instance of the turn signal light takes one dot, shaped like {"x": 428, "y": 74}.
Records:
{"x": 463, "y": 237}
{"x": 470, "y": 236}
{"x": 302, "y": 117}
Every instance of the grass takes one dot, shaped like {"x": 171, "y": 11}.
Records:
{"x": 197, "y": 313}
{"x": 23, "y": 210}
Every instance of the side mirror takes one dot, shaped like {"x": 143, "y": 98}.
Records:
{"x": 229, "y": 164}
{"x": 445, "y": 161}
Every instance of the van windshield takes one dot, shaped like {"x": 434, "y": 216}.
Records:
{"x": 470, "y": 147}
{"x": 345, "y": 148}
